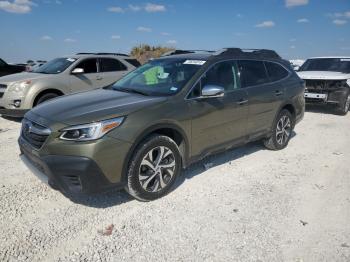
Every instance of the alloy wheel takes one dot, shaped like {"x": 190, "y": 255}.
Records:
{"x": 284, "y": 129}
{"x": 157, "y": 169}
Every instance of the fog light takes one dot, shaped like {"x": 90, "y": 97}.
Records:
{"x": 17, "y": 103}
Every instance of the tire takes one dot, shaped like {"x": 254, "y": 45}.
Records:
{"x": 149, "y": 177}
{"x": 345, "y": 105}
{"x": 282, "y": 131}
{"x": 46, "y": 97}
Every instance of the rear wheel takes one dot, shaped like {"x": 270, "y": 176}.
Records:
{"x": 154, "y": 168}
{"x": 281, "y": 132}
{"x": 344, "y": 107}
{"x": 46, "y": 97}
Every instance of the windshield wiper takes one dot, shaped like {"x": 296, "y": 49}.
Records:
{"x": 130, "y": 90}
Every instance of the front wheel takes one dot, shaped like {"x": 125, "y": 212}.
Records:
{"x": 344, "y": 107}
{"x": 281, "y": 132}
{"x": 154, "y": 168}
{"x": 46, "y": 97}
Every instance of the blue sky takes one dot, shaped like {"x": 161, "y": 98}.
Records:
{"x": 44, "y": 29}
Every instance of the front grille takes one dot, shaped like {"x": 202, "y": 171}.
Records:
{"x": 2, "y": 86}
{"x": 34, "y": 133}
{"x": 1, "y": 95}
{"x": 313, "y": 85}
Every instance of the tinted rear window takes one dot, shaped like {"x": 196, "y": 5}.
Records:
{"x": 134, "y": 62}
{"x": 112, "y": 65}
{"x": 89, "y": 66}
{"x": 252, "y": 73}
{"x": 276, "y": 72}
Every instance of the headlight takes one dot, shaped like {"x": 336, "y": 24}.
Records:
{"x": 19, "y": 87}
{"x": 91, "y": 131}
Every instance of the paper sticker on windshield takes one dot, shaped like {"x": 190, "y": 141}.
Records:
{"x": 194, "y": 62}
{"x": 71, "y": 59}
{"x": 345, "y": 60}
{"x": 173, "y": 89}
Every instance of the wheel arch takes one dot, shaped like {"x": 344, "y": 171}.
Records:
{"x": 167, "y": 129}
{"x": 44, "y": 92}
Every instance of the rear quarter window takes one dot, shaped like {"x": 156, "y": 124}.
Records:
{"x": 111, "y": 65}
{"x": 252, "y": 73}
{"x": 133, "y": 62}
{"x": 275, "y": 71}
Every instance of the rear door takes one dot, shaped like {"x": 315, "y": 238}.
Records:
{"x": 112, "y": 70}
{"x": 89, "y": 80}
{"x": 265, "y": 94}
{"x": 218, "y": 122}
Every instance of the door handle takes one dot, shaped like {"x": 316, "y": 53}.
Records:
{"x": 278, "y": 93}
{"x": 242, "y": 102}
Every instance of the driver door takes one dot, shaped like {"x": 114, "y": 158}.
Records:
{"x": 218, "y": 122}
{"x": 90, "y": 79}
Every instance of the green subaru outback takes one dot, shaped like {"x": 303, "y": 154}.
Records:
{"x": 139, "y": 133}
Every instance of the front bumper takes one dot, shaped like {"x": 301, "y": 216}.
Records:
{"x": 334, "y": 97}
{"x": 16, "y": 113}
{"x": 69, "y": 174}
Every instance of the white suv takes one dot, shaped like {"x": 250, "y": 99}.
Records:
{"x": 65, "y": 75}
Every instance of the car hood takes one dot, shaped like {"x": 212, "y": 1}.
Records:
{"x": 93, "y": 106}
{"x": 323, "y": 75}
{"x": 24, "y": 76}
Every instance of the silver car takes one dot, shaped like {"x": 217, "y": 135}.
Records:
{"x": 65, "y": 75}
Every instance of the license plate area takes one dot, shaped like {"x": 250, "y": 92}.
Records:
{"x": 315, "y": 96}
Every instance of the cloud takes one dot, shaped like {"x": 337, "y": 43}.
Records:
{"x": 239, "y": 15}
{"x": 17, "y": 6}
{"x": 292, "y": 47}
{"x": 134, "y": 8}
{"x": 303, "y": 20}
{"x": 292, "y": 40}
{"x": 292, "y": 3}
{"x": 115, "y": 9}
{"x": 70, "y": 40}
{"x": 165, "y": 34}
{"x": 144, "y": 29}
{"x": 152, "y": 8}
{"x": 339, "y": 22}
{"x": 345, "y": 48}
{"x": 46, "y": 38}
{"x": 171, "y": 42}
{"x": 266, "y": 24}
{"x": 340, "y": 15}
{"x": 115, "y": 37}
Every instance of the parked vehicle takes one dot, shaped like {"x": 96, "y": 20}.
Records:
{"x": 30, "y": 67}
{"x": 327, "y": 81}
{"x": 8, "y": 69}
{"x": 139, "y": 133}
{"x": 61, "y": 76}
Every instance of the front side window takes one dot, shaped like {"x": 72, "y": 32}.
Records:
{"x": 111, "y": 65}
{"x": 89, "y": 66}
{"x": 55, "y": 66}
{"x": 276, "y": 72}
{"x": 161, "y": 77}
{"x": 252, "y": 73}
{"x": 327, "y": 64}
{"x": 224, "y": 74}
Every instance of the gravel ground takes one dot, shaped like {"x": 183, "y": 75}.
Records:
{"x": 251, "y": 205}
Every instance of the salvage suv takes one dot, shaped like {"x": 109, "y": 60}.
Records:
{"x": 139, "y": 133}
{"x": 327, "y": 82}
{"x": 61, "y": 76}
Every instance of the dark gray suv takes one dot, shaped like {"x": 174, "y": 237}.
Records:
{"x": 139, "y": 133}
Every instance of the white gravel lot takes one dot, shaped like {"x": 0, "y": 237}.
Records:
{"x": 252, "y": 205}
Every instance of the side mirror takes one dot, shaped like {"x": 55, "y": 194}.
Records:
{"x": 296, "y": 68}
{"x": 77, "y": 71}
{"x": 212, "y": 91}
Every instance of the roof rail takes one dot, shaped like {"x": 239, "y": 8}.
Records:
{"x": 260, "y": 53}
{"x": 120, "y": 54}
{"x": 180, "y": 52}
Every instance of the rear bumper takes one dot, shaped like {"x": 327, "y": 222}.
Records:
{"x": 69, "y": 174}
{"x": 16, "y": 113}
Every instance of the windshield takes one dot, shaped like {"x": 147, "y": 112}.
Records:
{"x": 327, "y": 64}
{"x": 159, "y": 77}
{"x": 55, "y": 66}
